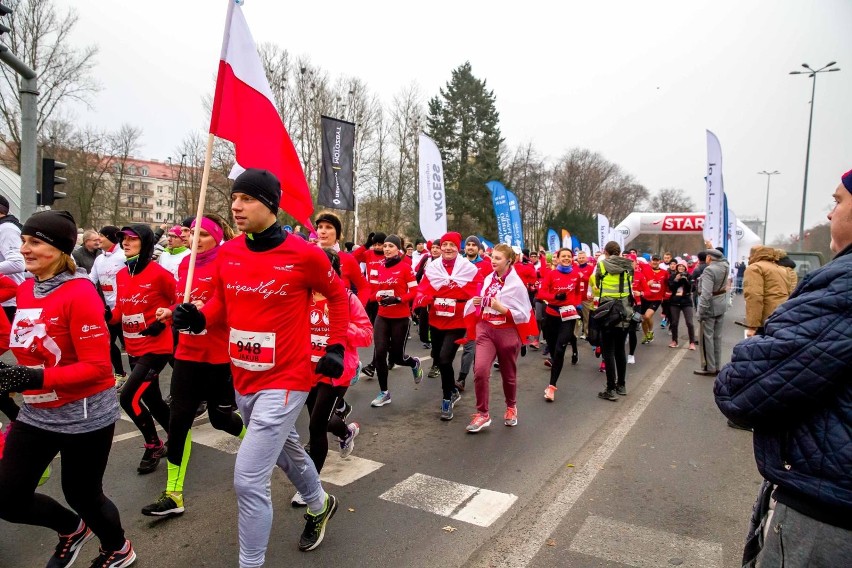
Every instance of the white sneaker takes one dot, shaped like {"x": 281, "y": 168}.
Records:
{"x": 631, "y": 360}
{"x": 346, "y": 446}
{"x": 297, "y": 500}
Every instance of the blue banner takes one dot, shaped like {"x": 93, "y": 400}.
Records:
{"x": 486, "y": 243}
{"x": 515, "y": 217}
{"x": 727, "y": 240}
{"x": 501, "y": 210}
{"x": 552, "y": 241}
{"x": 575, "y": 244}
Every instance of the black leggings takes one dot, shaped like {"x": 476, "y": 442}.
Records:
{"x": 444, "y": 348}
{"x": 612, "y": 347}
{"x": 322, "y": 400}
{"x": 423, "y": 324}
{"x": 193, "y": 382}
{"x": 141, "y": 398}
{"x": 559, "y": 334}
{"x": 29, "y": 450}
{"x": 674, "y": 321}
{"x": 632, "y": 340}
{"x": 114, "y": 351}
{"x": 9, "y": 407}
{"x": 389, "y": 337}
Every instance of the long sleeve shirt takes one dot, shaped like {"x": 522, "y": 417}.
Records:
{"x": 395, "y": 281}
{"x": 556, "y": 282}
{"x": 139, "y": 297}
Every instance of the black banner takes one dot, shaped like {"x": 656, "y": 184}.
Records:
{"x": 338, "y": 157}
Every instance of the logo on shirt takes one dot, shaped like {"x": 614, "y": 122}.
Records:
{"x": 285, "y": 268}
{"x": 264, "y": 289}
{"x": 90, "y": 327}
{"x": 144, "y": 285}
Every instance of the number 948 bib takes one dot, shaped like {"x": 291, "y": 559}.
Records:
{"x": 252, "y": 350}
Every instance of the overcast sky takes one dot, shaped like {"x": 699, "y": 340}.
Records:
{"x": 638, "y": 82}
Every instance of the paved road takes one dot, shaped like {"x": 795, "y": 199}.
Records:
{"x": 655, "y": 479}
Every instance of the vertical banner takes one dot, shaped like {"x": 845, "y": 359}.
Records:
{"x": 486, "y": 244}
{"x": 515, "y": 218}
{"x": 433, "y": 203}
{"x": 733, "y": 245}
{"x": 603, "y": 229}
{"x": 338, "y": 159}
{"x": 714, "y": 222}
{"x": 566, "y": 239}
{"x": 552, "y": 241}
{"x": 575, "y": 244}
{"x": 501, "y": 211}
{"x": 586, "y": 248}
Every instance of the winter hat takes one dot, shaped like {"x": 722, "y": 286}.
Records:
{"x": 475, "y": 240}
{"x": 379, "y": 238}
{"x": 714, "y": 254}
{"x": 394, "y": 240}
{"x": 260, "y": 184}
{"x": 453, "y": 237}
{"x": 187, "y": 221}
{"x": 846, "y": 179}
{"x": 176, "y": 231}
{"x": 331, "y": 219}
{"x": 56, "y": 228}
{"x": 111, "y": 233}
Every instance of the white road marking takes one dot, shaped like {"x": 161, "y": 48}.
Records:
{"x": 583, "y": 477}
{"x": 450, "y": 499}
{"x": 209, "y": 436}
{"x": 339, "y": 471}
{"x": 642, "y": 547}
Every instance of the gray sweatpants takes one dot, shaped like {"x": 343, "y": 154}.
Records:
{"x": 795, "y": 540}
{"x": 711, "y": 341}
{"x": 468, "y": 352}
{"x": 271, "y": 438}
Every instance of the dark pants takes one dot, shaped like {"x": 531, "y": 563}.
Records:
{"x": 28, "y": 452}
{"x": 390, "y": 336}
{"x": 674, "y": 321}
{"x": 423, "y": 324}
{"x": 444, "y": 348}
{"x": 114, "y": 351}
{"x": 632, "y": 340}
{"x": 795, "y": 540}
{"x": 559, "y": 334}
{"x": 612, "y": 349}
{"x": 322, "y": 400}
{"x": 9, "y": 407}
{"x": 141, "y": 398}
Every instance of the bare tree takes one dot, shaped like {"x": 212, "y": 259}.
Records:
{"x": 671, "y": 200}
{"x": 122, "y": 144}
{"x": 40, "y": 37}
{"x": 529, "y": 177}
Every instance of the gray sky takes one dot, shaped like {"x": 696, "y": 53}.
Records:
{"x": 638, "y": 82}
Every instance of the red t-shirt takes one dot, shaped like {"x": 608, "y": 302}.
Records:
{"x": 585, "y": 272}
{"x": 656, "y": 284}
{"x": 211, "y": 345}
{"x": 137, "y": 300}
{"x": 397, "y": 280}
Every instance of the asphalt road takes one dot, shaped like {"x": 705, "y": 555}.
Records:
{"x": 655, "y": 479}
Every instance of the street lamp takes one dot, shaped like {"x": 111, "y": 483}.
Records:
{"x": 766, "y": 212}
{"x": 812, "y": 74}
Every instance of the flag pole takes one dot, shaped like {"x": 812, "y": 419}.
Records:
{"x": 199, "y": 213}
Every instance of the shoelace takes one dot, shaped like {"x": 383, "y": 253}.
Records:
{"x": 64, "y": 545}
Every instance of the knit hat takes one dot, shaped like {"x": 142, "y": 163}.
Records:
{"x": 260, "y": 184}
{"x": 111, "y": 233}
{"x": 475, "y": 240}
{"x": 187, "y": 221}
{"x": 453, "y": 237}
{"x": 56, "y": 228}
{"x": 394, "y": 240}
{"x": 379, "y": 238}
{"x": 331, "y": 219}
{"x": 845, "y": 178}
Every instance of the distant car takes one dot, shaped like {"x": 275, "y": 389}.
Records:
{"x": 806, "y": 262}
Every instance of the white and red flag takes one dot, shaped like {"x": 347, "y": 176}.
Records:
{"x": 245, "y": 113}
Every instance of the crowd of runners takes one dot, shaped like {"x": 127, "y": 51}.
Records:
{"x": 272, "y": 324}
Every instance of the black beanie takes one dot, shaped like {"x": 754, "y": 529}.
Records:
{"x": 331, "y": 219}
{"x": 379, "y": 238}
{"x": 56, "y": 228}
{"x": 260, "y": 184}
{"x": 393, "y": 239}
{"x": 111, "y": 233}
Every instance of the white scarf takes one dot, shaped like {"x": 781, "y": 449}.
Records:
{"x": 513, "y": 295}
{"x": 463, "y": 273}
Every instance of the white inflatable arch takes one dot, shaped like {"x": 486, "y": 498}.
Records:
{"x": 637, "y": 224}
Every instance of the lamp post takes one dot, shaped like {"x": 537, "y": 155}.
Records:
{"x": 766, "y": 211}
{"x": 812, "y": 74}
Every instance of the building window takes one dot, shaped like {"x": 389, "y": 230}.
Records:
{"x": 159, "y": 216}
{"x": 116, "y": 168}
{"x": 144, "y": 201}
{"x": 130, "y": 185}
{"x": 170, "y": 203}
{"x": 144, "y": 171}
{"x": 131, "y": 169}
{"x": 129, "y": 199}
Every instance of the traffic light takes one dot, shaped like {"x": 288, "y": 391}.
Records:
{"x": 49, "y": 181}
{"x": 4, "y": 11}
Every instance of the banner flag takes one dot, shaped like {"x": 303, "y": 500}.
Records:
{"x": 515, "y": 217}
{"x": 552, "y": 241}
{"x": 714, "y": 222}
{"x": 586, "y": 248}
{"x": 732, "y": 251}
{"x": 433, "y": 203}
{"x": 486, "y": 244}
{"x": 501, "y": 211}
{"x": 603, "y": 229}
{"x": 575, "y": 244}
{"x": 566, "y": 239}
{"x": 596, "y": 248}
{"x": 338, "y": 161}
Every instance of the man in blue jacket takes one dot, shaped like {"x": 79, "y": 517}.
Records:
{"x": 793, "y": 386}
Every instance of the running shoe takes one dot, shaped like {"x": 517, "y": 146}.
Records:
{"x": 673, "y": 344}
{"x": 446, "y": 410}
{"x": 496, "y": 365}
{"x": 69, "y": 547}
{"x": 608, "y": 394}
{"x": 534, "y": 345}
{"x": 427, "y": 346}
{"x": 598, "y": 352}
{"x": 478, "y": 422}
{"x": 511, "y": 416}
{"x": 454, "y": 398}
{"x": 347, "y": 445}
{"x": 357, "y": 376}
{"x": 548, "y": 362}
{"x": 115, "y": 559}
{"x": 550, "y": 393}
{"x": 417, "y": 370}
{"x": 297, "y": 501}
{"x": 602, "y": 368}
{"x": 621, "y": 390}
{"x": 344, "y": 411}
{"x": 434, "y": 372}
{"x": 382, "y": 399}
{"x": 646, "y": 340}
{"x": 545, "y": 352}
{"x": 168, "y": 505}
{"x": 650, "y": 336}
{"x": 460, "y": 384}
{"x": 315, "y": 526}
{"x": 574, "y": 358}
{"x": 369, "y": 370}
{"x": 151, "y": 457}
{"x": 582, "y": 337}
{"x": 663, "y": 323}
{"x": 631, "y": 360}
{"x": 692, "y": 347}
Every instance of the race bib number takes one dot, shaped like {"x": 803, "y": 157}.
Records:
{"x": 493, "y": 317}
{"x": 318, "y": 343}
{"x": 445, "y": 307}
{"x": 655, "y": 286}
{"x": 252, "y": 350}
{"x": 568, "y": 313}
{"x": 132, "y": 324}
{"x": 374, "y": 276}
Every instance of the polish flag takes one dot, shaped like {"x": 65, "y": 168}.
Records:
{"x": 245, "y": 113}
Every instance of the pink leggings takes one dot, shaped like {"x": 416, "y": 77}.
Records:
{"x": 503, "y": 345}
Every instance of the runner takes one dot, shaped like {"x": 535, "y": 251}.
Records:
{"x": 395, "y": 287}
{"x": 540, "y": 266}
{"x": 60, "y": 342}
{"x": 329, "y": 231}
{"x": 503, "y": 319}
{"x": 585, "y": 268}
{"x": 177, "y": 250}
{"x": 143, "y": 287}
{"x": 472, "y": 252}
{"x": 372, "y": 256}
{"x": 561, "y": 290}
{"x": 202, "y": 372}
{"x": 422, "y": 313}
{"x": 264, "y": 279}
{"x": 655, "y": 283}
{"x": 445, "y": 284}
{"x": 104, "y": 270}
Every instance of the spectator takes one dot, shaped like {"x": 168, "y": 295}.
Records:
{"x": 712, "y": 305}
{"x": 766, "y": 287}
{"x": 790, "y": 266}
{"x": 85, "y": 254}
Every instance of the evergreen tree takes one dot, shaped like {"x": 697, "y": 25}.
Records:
{"x": 464, "y": 122}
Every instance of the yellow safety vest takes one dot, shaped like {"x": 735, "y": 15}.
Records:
{"x": 607, "y": 285}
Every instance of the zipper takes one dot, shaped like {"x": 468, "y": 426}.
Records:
{"x": 778, "y": 530}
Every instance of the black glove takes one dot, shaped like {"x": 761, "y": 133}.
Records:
{"x": 107, "y": 313}
{"x": 20, "y": 378}
{"x": 369, "y": 242}
{"x": 331, "y": 364}
{"x": 186, "y": 317}
{"x": 560, "y": 296}
{"x": 390, "y": 301}
{"x": 154, "y": 329}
